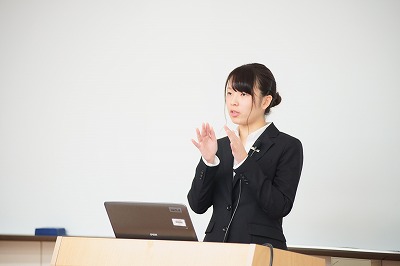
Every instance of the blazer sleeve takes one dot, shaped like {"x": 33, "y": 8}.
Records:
{"x": 200, "y": 196}
{"x": 275, "y": 194}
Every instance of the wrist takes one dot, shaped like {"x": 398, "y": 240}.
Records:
{"x": 213, "y": 162}
{"x": 210, "y": 160}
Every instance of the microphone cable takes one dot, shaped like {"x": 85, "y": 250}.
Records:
{"x": 233, "y": 215}
{"x": 255, "y": 148}
{"x": 271, "y": 252}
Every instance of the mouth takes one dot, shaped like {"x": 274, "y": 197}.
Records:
{"x": 234, "y": 113}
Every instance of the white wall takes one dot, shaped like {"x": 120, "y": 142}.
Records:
{"x": 99, "y": 101}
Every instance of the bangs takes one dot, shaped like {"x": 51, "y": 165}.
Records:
{"x": 242, "y": 79}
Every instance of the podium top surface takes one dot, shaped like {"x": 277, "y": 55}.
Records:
{"x": 347, "y": 253}
{"x": 114, "y": 251}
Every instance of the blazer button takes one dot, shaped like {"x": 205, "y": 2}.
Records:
{"x": 201, "y": 175}
{"x": 229, "y": 207}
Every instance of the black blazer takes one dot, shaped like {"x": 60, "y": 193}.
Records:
{"x": 264, "y": 185}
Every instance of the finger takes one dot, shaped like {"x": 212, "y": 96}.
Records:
{"x": 232, "y": 148}
{"x": 230, "y": 134}
{"x": 203, "y": 130}
{"x": 226, "y": 129}
{"x": 196, "y": 144}
{"x": 207, "y": 129}
{"x": 212, "y": 133}
{"x": 199, "y": 138}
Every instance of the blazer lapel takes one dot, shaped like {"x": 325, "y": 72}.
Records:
{"x": 267, "y": 140}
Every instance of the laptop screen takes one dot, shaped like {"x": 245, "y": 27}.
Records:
{"x": 146, "y": 220}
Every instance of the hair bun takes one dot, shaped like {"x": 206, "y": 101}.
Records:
{"x": 277, "y": 99}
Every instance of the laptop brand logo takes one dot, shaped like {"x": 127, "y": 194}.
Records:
{"x": 175, "y": 209}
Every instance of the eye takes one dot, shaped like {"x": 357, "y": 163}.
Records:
{"x": 243, "y": 94}
{"x": 228, "y": 93}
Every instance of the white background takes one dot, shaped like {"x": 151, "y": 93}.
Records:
{"x": 99, "y": 101}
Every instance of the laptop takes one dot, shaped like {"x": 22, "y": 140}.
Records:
{"x": 147, "y": 220}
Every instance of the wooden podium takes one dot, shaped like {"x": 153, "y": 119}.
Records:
{"x": 111, "y": 251}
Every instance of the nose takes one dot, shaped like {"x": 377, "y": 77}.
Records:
{"x": 234, "y": 101}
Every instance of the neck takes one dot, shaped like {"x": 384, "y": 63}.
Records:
{"x": 245, "y": 130}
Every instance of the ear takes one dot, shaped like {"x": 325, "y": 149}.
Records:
{"x": 266, "y": 101}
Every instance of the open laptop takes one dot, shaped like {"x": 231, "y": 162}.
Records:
{"x": 145, "y": 220}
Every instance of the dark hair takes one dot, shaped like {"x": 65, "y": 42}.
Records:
{"x": 248, "y": 77}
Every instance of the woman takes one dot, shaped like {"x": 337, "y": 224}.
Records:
{"x": 250, "y": 177}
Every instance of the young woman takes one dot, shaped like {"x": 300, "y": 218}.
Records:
{"x": 250, "y": 177}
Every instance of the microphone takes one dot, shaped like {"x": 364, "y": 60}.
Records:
{"x": 256, "y": 147}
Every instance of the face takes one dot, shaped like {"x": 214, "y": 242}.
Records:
{"x": 243, "y": 111}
